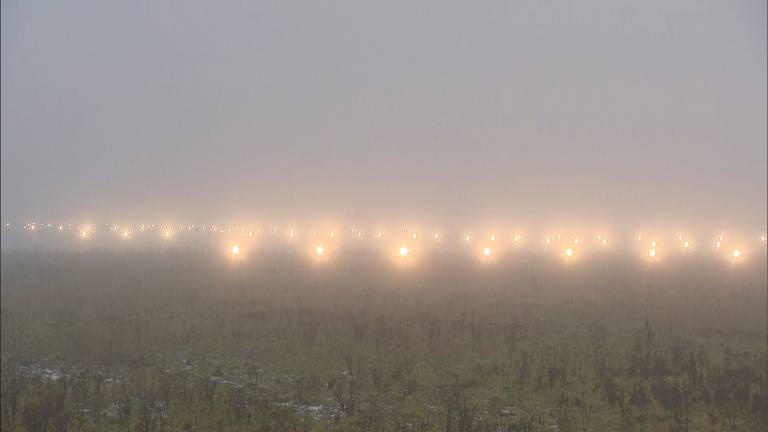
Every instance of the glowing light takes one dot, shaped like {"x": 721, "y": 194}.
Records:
{"x": 378, "y": 233}
{"x": 680, "y": 237}
{"x": 517, "y": 238}
{"x": 719, "y": 244}
{"x": 250, "y": 233}
{"x": 599, "y": 236}
{"x": 736, "y": 254}
{"x": 639, "y": 237}
{"x": 167, "y": 234}
{"x": 548, "y": 240}
{"x": 487, "y": 252}
{"x": 653, "y": 244}
{"x": 685, "y": 244}
{"x": 437, "y": 236}
{"x": 652, "y": 252}
{"x": 576, "y": 240}
{"x": 569, "y": 252}
{"x": 319, "y": 251}
{"x": 605, "y": 241}
{"x": 415, "y": 236}
{"x": 332, "y": 234}
{"x": 236, "y": 250}
{"x": 61, "y": 227}
{"x": 125, "y": 234}
{"x": 468, "y": 237}
{"x": 762, "y": 239}
{"x": 721, "y": 238}
{"x": 493, "y": 237}
{"x": 404, "y": 251}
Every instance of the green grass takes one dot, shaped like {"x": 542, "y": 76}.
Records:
{"x": 185, "y": 341}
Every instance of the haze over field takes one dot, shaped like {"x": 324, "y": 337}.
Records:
{"x": 601, "y": 113}
{"x": 438, "y": 216}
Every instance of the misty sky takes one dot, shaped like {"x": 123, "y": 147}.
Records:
{"x": 604, "y": 110}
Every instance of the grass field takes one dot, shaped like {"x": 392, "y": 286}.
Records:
{"x": 180, "y": 340}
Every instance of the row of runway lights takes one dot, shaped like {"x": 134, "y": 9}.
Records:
{"x": 404, "y": 251}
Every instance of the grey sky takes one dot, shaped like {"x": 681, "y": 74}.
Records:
{"x": 604, "y": 110}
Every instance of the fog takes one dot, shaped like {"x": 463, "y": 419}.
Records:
{"x": 601, "y": 113}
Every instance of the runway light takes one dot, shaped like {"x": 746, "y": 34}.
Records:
{"x": 236, "y": 250}
{"x": 487, "y": 252}
{"x": 652, "y": 252}
{"x": 404, "y": 251}
{"x": 319, "y": 251}
{"x": 569, "y": 252}
{"x": 736, "y": 254}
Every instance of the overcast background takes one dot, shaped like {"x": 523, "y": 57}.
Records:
{"x": 532, "y": 110}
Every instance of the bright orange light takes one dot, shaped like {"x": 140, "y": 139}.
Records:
{"x": 236, "y": 250}
{"x": 736, "y": 254}
{"x": 605, "y": 241}
{"x": 487, "y": 252}
{"x": 250, "y": 233}
{"x": 320, "y": 250}
{"x": 167, "y": 234}
{"x": 517, "y": 238}
{"x": 415, "y": 236}
{"x": 685, "y": 244}
{"x": 576, "y": 240}
{"x": 652, "y": 253}
{"x": 404, "y": 251}
{"x": 653, "y": 244}
{"x": 467, "y": 238}
{"x": 639, "y": 237}
{"x": 437, "y": 236}
{"x": 125, "y": 234}
{"x": 719, "y": 244}
{"x": 493, "y": 237}
{"x": 569, "y": 252}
